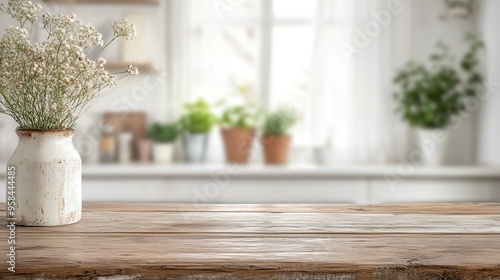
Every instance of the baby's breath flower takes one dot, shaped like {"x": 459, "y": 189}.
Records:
{"x": 69, "y": 31}
{"x": 21, "y": 10}
{"x": 124, "y": 28}
{"x": 100, "y": 62}
{"x": 132, "y": 70}
{"x": 54, "y": 77}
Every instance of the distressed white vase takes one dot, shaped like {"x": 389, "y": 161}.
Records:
{"x": 48, "y": 178}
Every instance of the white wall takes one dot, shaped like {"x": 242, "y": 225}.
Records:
{"x": 146, "y": 92}
{"x": 428, "y": 29}
{"x": 8, "y": 137}
{"x": 489, "y": 136}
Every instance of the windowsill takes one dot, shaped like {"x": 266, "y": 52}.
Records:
{"x": 113, "y": 171}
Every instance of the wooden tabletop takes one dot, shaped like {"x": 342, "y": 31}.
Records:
{"x": 184, "y": 241}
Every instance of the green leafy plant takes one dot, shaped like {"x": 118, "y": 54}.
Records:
{"x": 164, "y": 133}
{"x": 278, "y": 123}
{"x": 198, "y": 117}
{"x": 240, "y": 116}
{"x": 429, "y": 97}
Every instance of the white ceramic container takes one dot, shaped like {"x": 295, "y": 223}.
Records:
{"x": 48, "y": 178}
{"x": 163, "y": 152}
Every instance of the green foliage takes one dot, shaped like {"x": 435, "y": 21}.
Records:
{"x": 164, "y": 133}
{"x": 429, "y": 97}
{"x": 279, "y": 123}
{"x": 198, "y": 117}
{"x": 241, "y": 116}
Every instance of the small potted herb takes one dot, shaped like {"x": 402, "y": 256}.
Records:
{"x": 238, "y": 130}
{"x": 275, "y": 139}
{"x": 163, "y": 137}
{"x": 196, "y": 123}
{"x": 430, "y": 96}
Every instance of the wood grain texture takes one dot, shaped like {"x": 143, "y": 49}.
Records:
{"x": 421, "y": 208}
{"x": 180, "y": 241}
{"x": 275, "y": 223}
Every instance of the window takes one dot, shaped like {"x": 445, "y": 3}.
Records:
{"x": 287, "y": 53}
{"x": 263, "y": 47}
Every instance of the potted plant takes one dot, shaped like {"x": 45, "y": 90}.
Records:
{"x": 44, "y": 87}
{"x": 163, "y": 137}
{"x": 429, "y": 97}
{"x": 275, "y": 139}
{"x": 238, "y": 130}
{"x": 196, "y": 123}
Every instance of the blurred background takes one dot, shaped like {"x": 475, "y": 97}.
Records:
{"x": 333, "y": 64}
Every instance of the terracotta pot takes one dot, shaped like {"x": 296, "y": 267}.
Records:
{"x": 144, "y": 148}
{"x": 276, "y": 149}
{"x": 45, "y": 179}
{"x": 237, "y": 143}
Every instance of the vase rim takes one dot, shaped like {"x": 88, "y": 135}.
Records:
{"x": 29, "y": 132}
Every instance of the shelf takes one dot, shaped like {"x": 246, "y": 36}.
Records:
{"x": 184, "y": 170}
{"x": 122, "y": 66}
{"x": 123, "y": 2}
{"x": 290, "y": 171}
{"x": 181, "y": 170}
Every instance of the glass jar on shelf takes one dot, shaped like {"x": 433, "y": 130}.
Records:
{"x": 108, "y": 146}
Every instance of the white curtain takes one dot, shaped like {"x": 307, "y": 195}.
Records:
{"x": 189, "y": 44}
{"x": 352, "y": 95}
{"x": 195, "y": 66}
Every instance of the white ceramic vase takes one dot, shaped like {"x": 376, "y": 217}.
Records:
{"x": 48, "y": 178}
{"x": 432, "y": 145}
{"x": 163, "y": 152}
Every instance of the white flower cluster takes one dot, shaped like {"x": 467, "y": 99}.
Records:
{"x": 45, "y": 85}
{"x": 21, "y": 10}
{"x": 132, "y": 70}
{"x": 124, "y": 28}
{"x": 71, "y": 31}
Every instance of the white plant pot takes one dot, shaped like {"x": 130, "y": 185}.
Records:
{"x": 163, "y": 152}
{"x": 48, "y": 178}
{"x": 195, "y": 147}
{"x": 432, "y": 145}
{"x": 326, "y": 156}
